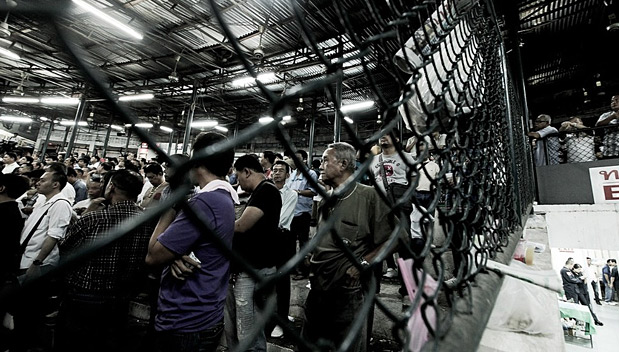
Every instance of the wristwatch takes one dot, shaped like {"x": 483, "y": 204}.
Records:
{"x": 37, "y": 262}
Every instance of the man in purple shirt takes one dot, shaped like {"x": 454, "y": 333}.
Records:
{"x": 191, "y": 304}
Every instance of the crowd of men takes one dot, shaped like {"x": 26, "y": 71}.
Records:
{"x": 73, "y": 249}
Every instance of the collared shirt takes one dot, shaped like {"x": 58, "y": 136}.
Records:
{"x": 68, "y": 192}
{"x": 8, "y": 169}
{"x": 289, "y": 202}
{"x": 298, "y": 181}
{"x": 54, "y": 224}
{"x": 81, "y": 191}
{"x": 111, "y": 270}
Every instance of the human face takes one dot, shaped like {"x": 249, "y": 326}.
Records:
{"x": 279, "y": 173}
{"x": 242, "y": 178}
{"x": 154, "y": 179}
{"x": 94, "y": 190}
{"x": 614, "y": 103}
{"x": 385, "y": 141}
{"x": 46, "y": 185}
{"x": 7, "y": 159}
{"x": 330, "y": 168}
{"x": 81, "y": 163}
{"x": 23, "y": 169}
{"x": 22, "y": 160}
{"x": 540, "y": 123}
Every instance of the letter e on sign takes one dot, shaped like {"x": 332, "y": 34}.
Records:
{"x": 611, "y": 192}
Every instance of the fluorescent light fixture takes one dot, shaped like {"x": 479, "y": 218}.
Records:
{"x": 287, "y": 118}
{"x": 221, "y": 128}
{"x": 105, "y": 17}
{"x": 348, "y": 119}
{"x": 144, "y": 125}
{"x": 136, "y": 97}
{"x": 128, "y": 125}
{"x": 118, "y": 128}
{"x": 60, "y": 101}
{"x": 265, "y": 120}
{"x": 263, "y": 77}
{"x": 204, "y": 123}
{"x": 43, "y": 118}
{"x": 364, "y": 105}
{"x": 72, "y": 123}
{"x": 9, "y": 54}
{"x": 23, "y": 100}
{"x": 167, "y": 129}
{"x": 16, "y": 119}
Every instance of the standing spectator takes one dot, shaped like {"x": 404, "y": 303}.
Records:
{"x": 545, "y": 143}
{"x": 611, "y": 137}
{"x": 199, "y": 294}
{"x": 614, "y": 279}
{"x": 81, "y": 192}
{"x": 267, "y": 160}
{"x": 10, "y": 163}
{"x": 24, "y": 168}
{"x": 286, "y": 242}
{"x": 424, "y": 194}
{"x": 154, "y": 174}
{"x": 570, "y": 281}
{"x": 362, "y": 221}
{"x": 94, "y": 312}
{"x": 255, "y": 241}
{"x": 608, "y": 282}
{"x": 592, "y": 275}
{"x": 300, "y": 226}
{"x": 43, "y": 229}
{"x": 94, "y": 192}
{"x": 579, "y": 145}
{"x": 582, "y": 293}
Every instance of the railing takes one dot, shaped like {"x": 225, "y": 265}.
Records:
{"x": 452, "y": 79}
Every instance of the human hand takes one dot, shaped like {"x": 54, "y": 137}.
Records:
{"x": 352, "y": 277}
{"x": 95, "y": 204}
{"x": 183, "y": 267}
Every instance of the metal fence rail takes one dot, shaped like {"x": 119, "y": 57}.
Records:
{"x": 452, "y": 81}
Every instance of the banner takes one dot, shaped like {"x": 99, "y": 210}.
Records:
{"x": 605, "y": 184}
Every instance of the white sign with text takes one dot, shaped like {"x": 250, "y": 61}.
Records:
{"x": 605, "y": 184}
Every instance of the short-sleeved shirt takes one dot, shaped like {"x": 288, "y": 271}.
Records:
{"x": 298, "y": 181}
{"x": 258, "y": 244}
{"x": 394, "y": 167}
{"x": 550, "y": 144}
{"x": 605, "y": 271}
{"x": 362, "y": 221}
{"x": 197, "y": 303}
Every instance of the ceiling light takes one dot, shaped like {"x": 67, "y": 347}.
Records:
{"x": 136, "y": 97}
{"x": 263, "y": 77}
{"x": 221, "y": 128}
{"x": 60, "y": 101}
{"x": 348, "y": 119}
{"x": 357, "y": 106}
{"x": 9, "y": 54}
{"x": 23, "y": 100}
{"x": 287, "y": 118}
{"x": 72, "y": 123}
{"x": 105, "y": 17}
{"x": 204, "y": 123}
{"x": 43, "y": 118}
{"x": 265, "y": 120}
{"x": 128, "y": 125}
{"x": 118, "y": 128}
{"x": 144, "y": 125}
{"x": 17, "y": 119}
{"x": 167, "y": 129}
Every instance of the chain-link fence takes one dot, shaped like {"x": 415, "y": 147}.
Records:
{"x": 447, "y": 63}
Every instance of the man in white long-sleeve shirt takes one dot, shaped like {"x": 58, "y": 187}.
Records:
{"x": 287, "y": 241}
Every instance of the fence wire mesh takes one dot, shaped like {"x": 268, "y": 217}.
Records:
{"x": 444, "y": 61}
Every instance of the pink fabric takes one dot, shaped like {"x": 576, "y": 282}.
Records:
{"x": 417, "y": 328}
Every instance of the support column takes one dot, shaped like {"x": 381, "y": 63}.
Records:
{"x": 312, "y": 132}
{"x": 81, "y": 111}
{"x": 107, "y": 139}
{"x": 49, "y": 135}
{"x": 128, "y": 139}
{"x": 170, "y": 143}
{"x": 192, "y": 109}
{"x": 337, "y": 123}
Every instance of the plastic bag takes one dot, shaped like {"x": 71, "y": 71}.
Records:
{"x": 523, "y": 307}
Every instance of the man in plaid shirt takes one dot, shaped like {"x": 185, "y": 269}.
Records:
{"x": 93, "y": 315}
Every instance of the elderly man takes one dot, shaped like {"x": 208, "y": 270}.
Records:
{"x": 546, "y": 145}
{"x": 363, "y": 224}
{"x": 610, "y": 118}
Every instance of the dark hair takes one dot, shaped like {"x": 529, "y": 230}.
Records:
{"x": 153, "y": 168}
{"x": 129, "y": 182}
{"x": 35, "y": 173}
{"x": 588, "y": 257}
{"x": 220, "y": 163}
{"x": 577, "y": 266}
{"x": 27, "y": 165}
{"x": 59, "y": 173}
{"x": 71, "y": 172}
{"x": 29, "y": 158}
{"x": 303, "y": 154}
{"x": 15, "y": 185}
{"x": 249, "y": 162}
{"x": 281, "y": 162}
{"x": 11, "y": 155}
{"x": 173, "y": 179}
{"x": 269, "y": 155}
{"x": 107, "y": 166}
{"x": 279, "y": 156}
{"x": 316, "y": 163}
{"x": 129, "y": 165}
